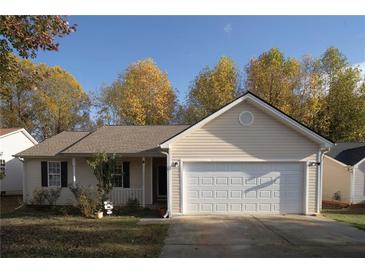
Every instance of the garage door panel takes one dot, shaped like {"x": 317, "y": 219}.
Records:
{"x": 243, "y": 187}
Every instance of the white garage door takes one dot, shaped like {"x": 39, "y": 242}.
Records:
{"x": 243, "y": 187}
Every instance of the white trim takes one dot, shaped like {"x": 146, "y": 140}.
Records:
{"x": 169, "y": 185}
{"x": 336, "y": 161}
{"x": 182, "y": 192}
{"x": 352, "y": 186}
{"x": 182, "y": 188}
{"x": 151, "y": 179}
{"x": 25, "y": 190}
{"x": 143, "y": 181}
{"x": 306, "y": 175}
{"x": 320, "y": 156}
{"x": 311, "y": 134}
{"x": 359, "y": 163}
{"x": 321, "y": 179}
{"x": 74, "y": 172}
{"x": 318, "y": 179}
{"x": 239, "y": 160}
{"x": 22, "y": 130}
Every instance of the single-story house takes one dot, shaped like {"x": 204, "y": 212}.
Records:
{"x": 13, "y": 141}
{"x": 344, "y": 174}
{"x": 247, "y": 157}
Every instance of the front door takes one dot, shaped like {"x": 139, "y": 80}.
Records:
{"x": 162, "y": 182}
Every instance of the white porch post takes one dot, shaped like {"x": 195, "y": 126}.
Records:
{"x": 74, "y": 172}
{"x": 143, "y": 182}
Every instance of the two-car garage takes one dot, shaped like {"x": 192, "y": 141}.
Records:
{"x": 243, "y": 187}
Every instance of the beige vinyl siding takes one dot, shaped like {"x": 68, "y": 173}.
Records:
{"x": 266, "y": 139}
{"x": 359, "y": 184}
{"x": 84, "y": 176}
{"x": 336, "y": 178}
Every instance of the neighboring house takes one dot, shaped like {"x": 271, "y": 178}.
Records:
{"x": 246, "y": 157}
{"x": 13, "y": 141}
{"x": 344, "y": 173}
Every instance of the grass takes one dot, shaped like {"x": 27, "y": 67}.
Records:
{"x": 45, "y": 232}
{"x": 354, "y": 217}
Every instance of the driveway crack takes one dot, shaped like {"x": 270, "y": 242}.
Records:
{"x": 273, "y": 230}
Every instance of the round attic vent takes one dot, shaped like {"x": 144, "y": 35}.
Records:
{"x": 246, "y": 118}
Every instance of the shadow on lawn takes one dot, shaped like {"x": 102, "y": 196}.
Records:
{"x": 48, "y": 233}
{"x": 52, "y": 211}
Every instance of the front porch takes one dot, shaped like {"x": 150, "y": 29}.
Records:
{"x": 147, "y": 183}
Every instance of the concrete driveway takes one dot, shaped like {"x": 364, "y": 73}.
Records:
{"x": 262, "y": 236}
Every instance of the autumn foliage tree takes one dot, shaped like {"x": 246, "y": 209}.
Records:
{"x": 274, "y": 78}
{"x": 25, "y": 35}
{"x": 44, "y": 100}
{"x": 142, "y": 95}
{"x": 326, "y": 94}
{"x": 211, "y": 89}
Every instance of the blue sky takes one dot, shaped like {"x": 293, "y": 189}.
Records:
{"x": 103, "y": 46}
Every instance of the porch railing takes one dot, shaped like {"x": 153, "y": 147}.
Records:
{"x": 120, "y": 196}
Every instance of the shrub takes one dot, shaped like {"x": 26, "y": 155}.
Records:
{"x": 88, "y": 200}
{"x": 52, "y": 195}
{"x": 45, "y": 196}
{"x": 132, "y": 203}
{"x": 39, "y": 197}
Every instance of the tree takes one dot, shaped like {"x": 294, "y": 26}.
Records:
{"x": 44, "y": 100}
{"x": 211, "y": 89}
{"x": 310, "y": 99}
{"x": 142, "y": 95}
{"x": 326, "y": 93}
{"x": 274, "y": 78}
{"x": 345, "y": 105}
{"x": 16, "y": 96}
{"x": 102, "y": 166}
{"x": 27, "y": 34}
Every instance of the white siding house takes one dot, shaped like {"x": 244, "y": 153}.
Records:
{"x": 13, "y": 141}
{"x": 247, "y": 157}
{"x": 344, "y": 174}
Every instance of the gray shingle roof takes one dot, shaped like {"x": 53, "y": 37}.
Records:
{"x": 125, "y": 140}
{"x": 351, "y": 156}
{"x": 53, "y": 145}
{"x": 348, "y": 153}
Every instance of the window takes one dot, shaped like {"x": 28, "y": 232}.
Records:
{"x": 120, "y": 175}
{"x": 2, "y": 168}
{"x": 54, "y": 174}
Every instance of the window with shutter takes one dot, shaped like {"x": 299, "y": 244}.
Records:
{"x": 120, "y": 175}
{"x": 54, "y": 174}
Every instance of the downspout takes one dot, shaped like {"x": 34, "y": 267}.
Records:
{"x": 168, "y": 163}
{"x": 320, "y": 178}
{"x": 352, "y": 186}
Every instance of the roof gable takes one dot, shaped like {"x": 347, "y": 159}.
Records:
{"x": 5, "y": 132}
{"x": 351, "y": 156}
{"x": 289, "y": 121}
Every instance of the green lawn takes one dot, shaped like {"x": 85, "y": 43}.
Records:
{"x": 355, "y": 217}
{"x": 28, "y": 232}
